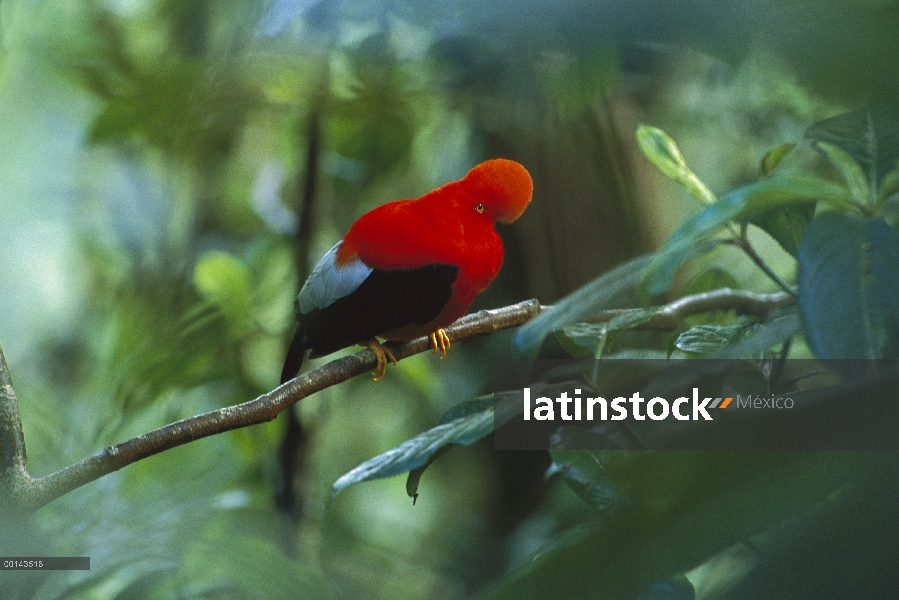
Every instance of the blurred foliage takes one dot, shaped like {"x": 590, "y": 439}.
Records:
{"x": 152, "y": 161}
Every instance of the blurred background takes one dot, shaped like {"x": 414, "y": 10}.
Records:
{"x": 170, "y": 171}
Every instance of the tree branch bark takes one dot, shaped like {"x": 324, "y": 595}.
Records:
{"x": 671, "y": 316}
{"x": 33, "y": 493}
{"x": 29, "y": 493}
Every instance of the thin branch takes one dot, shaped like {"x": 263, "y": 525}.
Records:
{"x": 671, "y": 315}
{"x": 42, "y": 490}
{"x": 745, "y": 246}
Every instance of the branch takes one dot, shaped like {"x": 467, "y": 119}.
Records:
{"x": 32, "y": 493}
{"x": 671, "y": 315}
{"x": 40, "y": 491}
{"x": 742, "y": 242}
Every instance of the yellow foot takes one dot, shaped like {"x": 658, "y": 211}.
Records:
{"x": 383, "y": 354}
{"x": 440, "y": 341}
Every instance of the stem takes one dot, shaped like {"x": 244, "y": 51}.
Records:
{"x": 670, "y": 316}
{"x": 743, "y": 243}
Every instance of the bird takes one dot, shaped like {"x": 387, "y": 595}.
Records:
{"x": 409, "y": 268}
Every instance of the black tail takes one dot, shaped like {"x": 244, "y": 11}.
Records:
{"x": 295, "y": 354}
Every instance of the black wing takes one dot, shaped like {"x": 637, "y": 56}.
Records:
{"x": 385, "y": 301}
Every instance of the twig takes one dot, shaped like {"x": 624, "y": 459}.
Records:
{"x": 671, "y": 315}
{"x": 743, "y": 243}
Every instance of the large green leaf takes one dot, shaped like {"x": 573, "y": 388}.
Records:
{"x": 786, "y": 224}
{"x": 587, "y": 340}
{"x": 586, "y": 473}
{"x": 682, "y": 508}
{"x": 870, "y": 136}
{"x": 583, "y": 340}
{"x": 849, "y": 170}
{"x": 459, "y": 411}
{"x": 777, "y": 328}
{"x": 472, "y": 421}
{"x": 849, "y": 287}
{"x": 742, "y": 202}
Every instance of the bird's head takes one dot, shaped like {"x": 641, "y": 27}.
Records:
{"x": 502, "y": 188}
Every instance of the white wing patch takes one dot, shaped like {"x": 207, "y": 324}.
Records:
{"x": 328, "y": 282}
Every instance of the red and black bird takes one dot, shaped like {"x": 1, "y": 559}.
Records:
{"x": 410, "y": 267}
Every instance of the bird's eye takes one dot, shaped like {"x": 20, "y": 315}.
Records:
{"x": 479, "y": 208}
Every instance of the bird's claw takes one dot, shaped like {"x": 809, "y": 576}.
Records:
{"x": 440, "y": 341}
{"x": 383, "y": 354}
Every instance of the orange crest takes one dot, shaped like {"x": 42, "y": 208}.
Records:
{"x": 505, "y": 187}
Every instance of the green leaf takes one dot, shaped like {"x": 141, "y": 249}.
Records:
{"x": 413, "y": 480}
{"x": 705, "y": 340}
{"x": 849, "y": 287}
{"x": 889, "y": 186}
{"x": 639, "y": 479}
{"x": 225, "y": 282}
{"x": 683, "y": 507}
{"x": 570, "y": 438}
{"x": 777, "y": 329}
{"x": 606, "y": 291}
{"x": 786, "y": 224}
{"x": 883, "y": 285}
{"x": 740, "y": 203}
{"x": 773, "y": 158}
{"x": 661, "y": 150}
{"x": 587, "y": 340}
{"x": 869, "y": 136}
{"x": 469, "y": 407}
{"x": 457, "y": 412}
{"x": 583, "y": 340}
{"x": 476, "y": 422}
{"x": 849, "y": 170}
{"x": 714, "y": 278}
{"x": 586, "y": 473}
{"x": 678, "y": 587}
